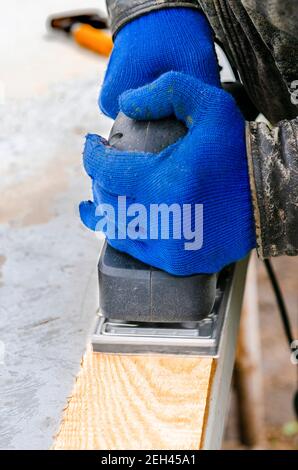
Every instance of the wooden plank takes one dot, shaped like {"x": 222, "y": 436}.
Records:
{"x": 153, "y": 402}
{"x": 136, "y": 402}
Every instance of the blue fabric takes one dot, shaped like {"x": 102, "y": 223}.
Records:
{"x": 173, "y": 39}
{"x": 208, "y": 166}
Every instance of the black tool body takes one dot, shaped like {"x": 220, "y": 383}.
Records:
{"x": 131, "y": 290}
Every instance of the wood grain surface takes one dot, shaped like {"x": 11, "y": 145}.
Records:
{"x": 137, "y": 402}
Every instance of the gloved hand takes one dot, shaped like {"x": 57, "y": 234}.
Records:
{"x": 173, "y": 39}
{"x": 208, "y": 166}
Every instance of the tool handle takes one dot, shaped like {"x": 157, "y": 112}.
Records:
{"x": 93, "y": 39}
{"x": 145, "y": 136}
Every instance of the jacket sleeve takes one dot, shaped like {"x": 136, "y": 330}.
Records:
{"x": 122, "y": 11}
{"x": 273, "y": 170}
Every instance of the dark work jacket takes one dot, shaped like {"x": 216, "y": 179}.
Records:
{"x": 260, "y": 38}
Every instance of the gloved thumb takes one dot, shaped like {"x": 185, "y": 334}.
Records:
{"x": 87, "y": 213}
{"x": 172, "y": 93}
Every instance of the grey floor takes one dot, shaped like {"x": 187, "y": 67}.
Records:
{"x": 48, "y": 286}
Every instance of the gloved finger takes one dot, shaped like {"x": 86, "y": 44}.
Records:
{"x": 107, "y": 100}
{"x": 116, "y": 171}
{"x": 115, "y": 83}
{"x": 173, "y": 93}
{"x": 120, "y": 76}
{"x": 87, "y": 211}
{"x": 100, "y": 218}
{"x": 95, "y": 146}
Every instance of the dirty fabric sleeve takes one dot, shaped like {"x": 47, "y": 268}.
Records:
{"x": 273, "y": 167}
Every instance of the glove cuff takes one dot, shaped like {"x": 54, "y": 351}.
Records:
{"x": 121, "y": 13}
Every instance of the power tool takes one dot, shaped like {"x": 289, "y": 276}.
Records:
{"x": 141, "y": 308}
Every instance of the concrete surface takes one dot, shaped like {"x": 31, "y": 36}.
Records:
{"x": 48, "y": 286}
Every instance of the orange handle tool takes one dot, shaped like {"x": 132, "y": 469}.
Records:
{"x": 93, "y": 39}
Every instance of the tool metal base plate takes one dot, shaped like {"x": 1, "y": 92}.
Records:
{"x": 201, "y": 338}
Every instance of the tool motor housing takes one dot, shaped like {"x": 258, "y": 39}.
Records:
{"x": 130, "y": 290}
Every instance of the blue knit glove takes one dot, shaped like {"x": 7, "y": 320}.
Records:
{"x": 208, "y": 166}
{"x": 173, "y": 39}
